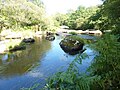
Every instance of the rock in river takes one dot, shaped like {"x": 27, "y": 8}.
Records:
{"x": 72, "y": 44}
{"x": 28, "y": 40}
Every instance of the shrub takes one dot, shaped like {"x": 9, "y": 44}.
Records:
{"x": 73, "y": 33}
{"x": 107, "y": 62}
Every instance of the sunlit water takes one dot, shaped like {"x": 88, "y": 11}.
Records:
{"x": 23, "y": 69}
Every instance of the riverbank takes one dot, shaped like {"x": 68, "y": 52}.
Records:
{"x": 9, "y": 38}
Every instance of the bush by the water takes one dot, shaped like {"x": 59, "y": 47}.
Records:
{"x": 73, "y": 33}
{"x": 107, "y": 63}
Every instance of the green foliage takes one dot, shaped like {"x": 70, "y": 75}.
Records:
{"x": 76, "y": 19}
{"x": 107, "y": 62}
{"x": 73, "y": 33}
{"x": 71, "y": 79}
{"x": 75, "y": 37}
{"x": 60, "y": 18}
{"x": 50, "y": 24}
{"x": 109, "y": 10}
{"x": 80, "y": 16}
{"x": 104, "y": 17}
{"x": 17, "y": 14}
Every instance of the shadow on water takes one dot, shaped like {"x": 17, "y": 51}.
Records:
{"x": 33, "y": 65}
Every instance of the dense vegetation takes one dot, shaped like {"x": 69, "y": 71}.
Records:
{"x": 77, "y": 19}
{"x": 27, "y": 14}
{"x": 104, "y": 17}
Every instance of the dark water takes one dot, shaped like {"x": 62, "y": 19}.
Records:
{"x": 23, "y": 69}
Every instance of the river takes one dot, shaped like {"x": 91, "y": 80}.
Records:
{"x": 24, "y": 69}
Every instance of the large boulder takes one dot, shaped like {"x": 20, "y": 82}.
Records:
{"x": 28, "y": 40}
{"x": 72, "y": 44}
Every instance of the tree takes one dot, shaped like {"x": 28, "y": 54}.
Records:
{"x": 22, "y": 13}
{"x": 60, "y": 18}
{"x": 110, "y": 9}
{"x": 78, "y": 19}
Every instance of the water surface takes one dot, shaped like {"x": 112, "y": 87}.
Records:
{"x": 33, "y": 65}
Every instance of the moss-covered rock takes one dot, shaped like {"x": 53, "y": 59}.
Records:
{"x": 72, "y": 44}
{"x": 17, "y": 47}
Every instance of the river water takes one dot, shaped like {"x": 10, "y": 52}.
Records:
{"x": 24, "y": 69}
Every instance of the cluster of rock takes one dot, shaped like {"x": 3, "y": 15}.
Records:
{"x": 71, "y": 45}
{"x": 50, "y": 36}
{"x": 22, "y": 45}
{"x": 28, "y": 40}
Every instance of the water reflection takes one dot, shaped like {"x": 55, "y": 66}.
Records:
{"x": 33, "y": 65}
{"x": 19, "y": 62}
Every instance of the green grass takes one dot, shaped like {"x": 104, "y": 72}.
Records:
{"x": 75, "y": 37}
{"x": 73, "y": 33}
